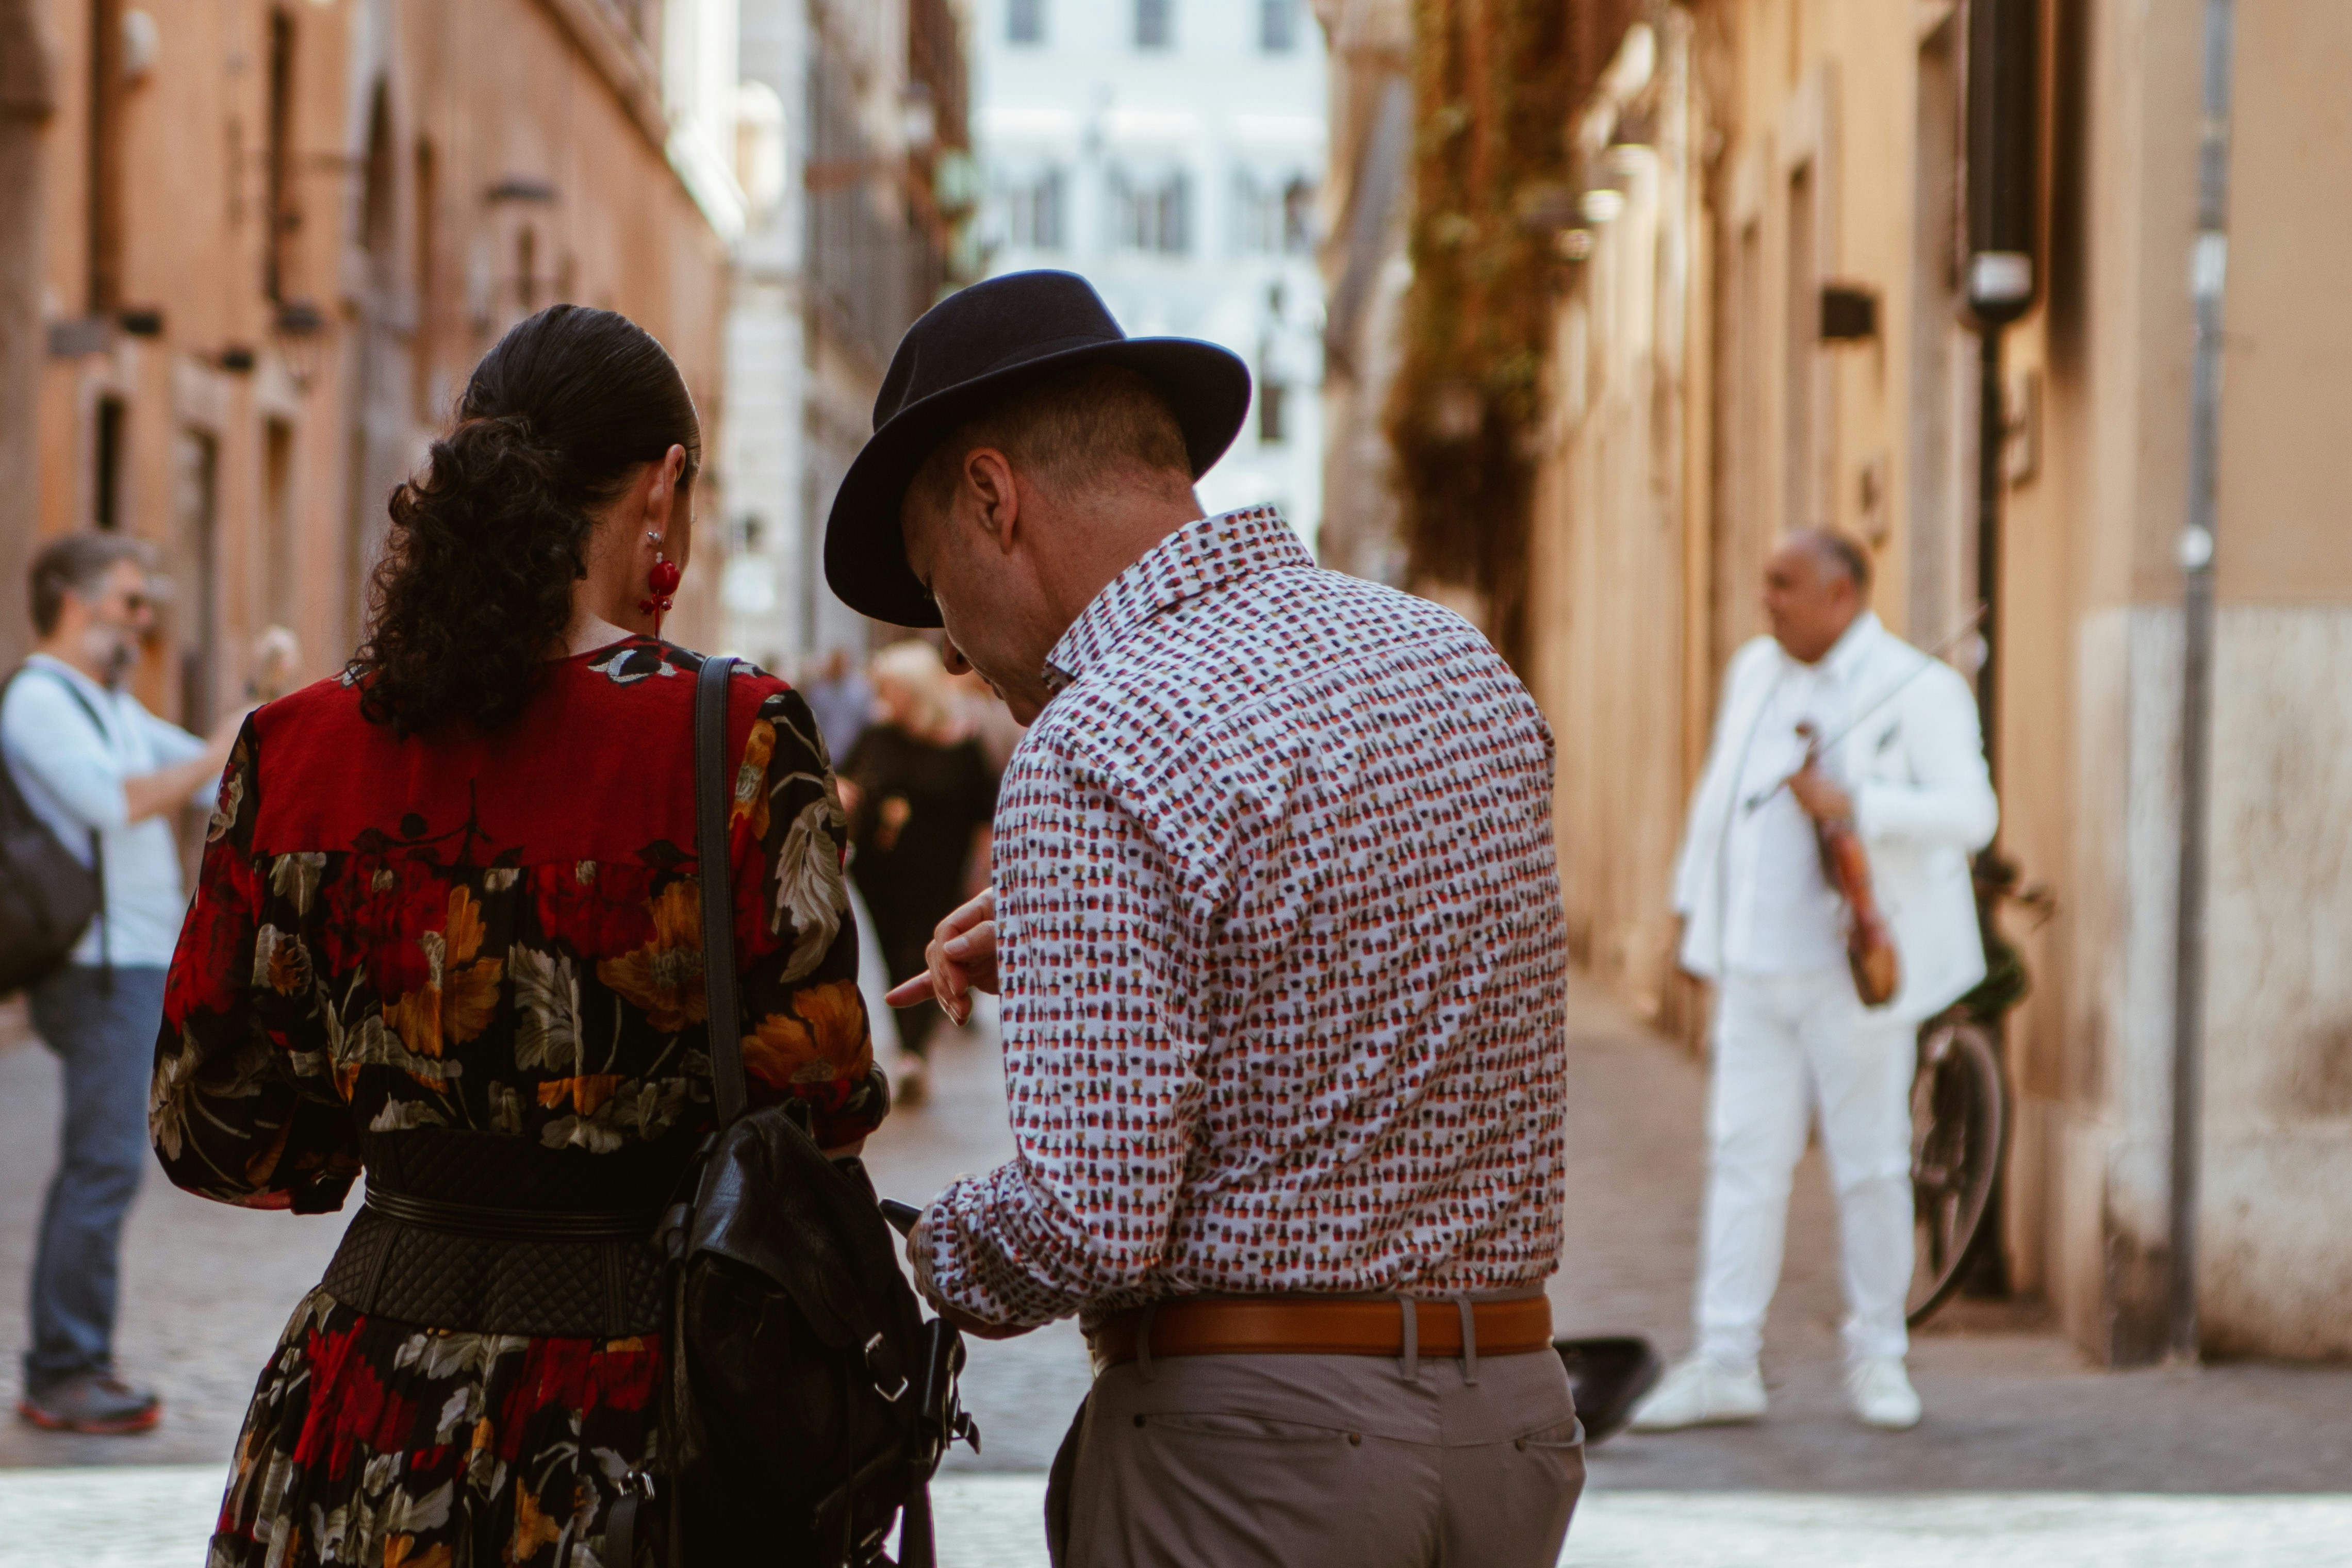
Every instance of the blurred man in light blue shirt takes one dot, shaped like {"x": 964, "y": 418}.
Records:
{"x": 106, "y": 777}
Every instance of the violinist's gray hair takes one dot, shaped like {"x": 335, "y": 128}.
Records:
{"x": 1839, "y": 552}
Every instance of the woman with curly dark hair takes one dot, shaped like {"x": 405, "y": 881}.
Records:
{"x": 447, "y": 934}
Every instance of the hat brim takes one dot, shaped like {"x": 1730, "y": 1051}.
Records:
{"x": 1207, "y": 388}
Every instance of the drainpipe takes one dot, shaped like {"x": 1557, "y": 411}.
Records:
{"x": 27, "y": 99}
{"x": 2001, "y": 181}
{"x": 2209, "y": 270}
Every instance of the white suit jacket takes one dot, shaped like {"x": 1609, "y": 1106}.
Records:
{"x": 1923, "y": 803}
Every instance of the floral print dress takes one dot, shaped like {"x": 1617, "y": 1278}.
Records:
{"x": 494, "y": 935}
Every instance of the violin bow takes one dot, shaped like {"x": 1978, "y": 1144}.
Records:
{"x": 1944, "y": 645}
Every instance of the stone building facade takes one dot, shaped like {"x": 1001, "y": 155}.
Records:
{"x": 1173, "y": 154}
{"x": 273, "y": 239}
{"x": 855, "y": 154}
{"x": 1740, "y": 158}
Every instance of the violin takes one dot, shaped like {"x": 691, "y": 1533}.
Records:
{"x": 1869, "y": 943}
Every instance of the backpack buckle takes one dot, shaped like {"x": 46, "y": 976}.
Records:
{"x": 876, "y": 1353}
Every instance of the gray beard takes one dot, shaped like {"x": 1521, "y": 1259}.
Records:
{"x": 111, "y": 653}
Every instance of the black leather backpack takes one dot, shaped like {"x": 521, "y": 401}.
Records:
{"x": 47, "y": 898}
{"x": 808, "y": 1402}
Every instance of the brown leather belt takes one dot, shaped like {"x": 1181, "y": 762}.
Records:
{"x": 1320, "y": 1325}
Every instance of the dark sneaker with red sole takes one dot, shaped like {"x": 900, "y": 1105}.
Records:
{"x": 94, "y": 1402}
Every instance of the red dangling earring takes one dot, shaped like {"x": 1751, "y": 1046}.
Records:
{"x": 662, "y": 581}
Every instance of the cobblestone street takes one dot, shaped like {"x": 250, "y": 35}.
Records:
{"x": 2027, "y": 1453}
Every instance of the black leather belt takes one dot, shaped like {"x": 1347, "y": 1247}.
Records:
{"x": 511, "y": 1224}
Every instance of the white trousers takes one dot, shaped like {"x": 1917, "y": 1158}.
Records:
{"x": 1786, "y": 1048}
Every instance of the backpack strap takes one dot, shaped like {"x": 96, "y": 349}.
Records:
{"x": 626, "y": 1535}
{"x": 97, "y": 844}
{"x": 714, "y": 795}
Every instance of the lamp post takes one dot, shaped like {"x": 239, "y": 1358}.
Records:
{"x": 2001, "y": 156}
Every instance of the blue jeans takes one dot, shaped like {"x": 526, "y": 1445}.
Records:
{"x": 106, "y": 1038}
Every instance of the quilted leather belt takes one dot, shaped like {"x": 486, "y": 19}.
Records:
{"x": 1323, "y": 1325}
{"x": 564, "y": 1249}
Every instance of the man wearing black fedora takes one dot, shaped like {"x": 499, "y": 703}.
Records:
{"x": 1276, "y": 928}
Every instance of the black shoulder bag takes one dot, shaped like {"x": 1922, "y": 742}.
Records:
{"x": 47, "y": 898}
{"x": 808, "y": 1402}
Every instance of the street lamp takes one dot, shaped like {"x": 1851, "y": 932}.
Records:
{"x": 296, "y": 332}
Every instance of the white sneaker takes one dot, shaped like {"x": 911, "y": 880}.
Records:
{"x": 1881, "y": 1394}
{"x": 1700, "y": 1393}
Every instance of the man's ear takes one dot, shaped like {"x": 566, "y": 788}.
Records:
{"x": 996, "y": 497}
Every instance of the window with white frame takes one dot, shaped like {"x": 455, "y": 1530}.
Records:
{"x": 1034, "y": 210}
{"x": 1024, "y": 21}
{"x": 1155, "y": 24}
{"x": 1273, "y": 407}
{"x": 1149, "y": 212}
{"x": 1298, "y": 216}
{"x": 1277, "y": 215}
{"x": 1278, "y": 26}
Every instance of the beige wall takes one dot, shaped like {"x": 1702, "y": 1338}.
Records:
{"x": 500, "y": 89}
{"x": 1689, "y": 431}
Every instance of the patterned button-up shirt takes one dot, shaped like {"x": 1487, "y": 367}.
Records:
{"x": 1280, "y": 939}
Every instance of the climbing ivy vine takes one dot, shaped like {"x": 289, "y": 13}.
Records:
{"x": 1493, "y": 83}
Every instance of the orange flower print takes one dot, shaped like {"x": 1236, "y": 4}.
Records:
{"x": 827, "y": 1043}
{"x": 533, "y": 1529}
{"x": 586, "y": 1091}
{"x": 461, "y": 991}
{"x": 665, "y": 976}
{"x": 751, "y": 780}
{"x": 281, "y": 961}
{"x": 401, "y": 1552}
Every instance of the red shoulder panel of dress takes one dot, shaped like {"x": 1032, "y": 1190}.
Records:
{"x": 598, "y": 766}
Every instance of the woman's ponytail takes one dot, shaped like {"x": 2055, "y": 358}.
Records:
{"x": 473, "y": 592}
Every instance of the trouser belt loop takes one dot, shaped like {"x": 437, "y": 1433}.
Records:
{"x": 1409, "y": 1364}
{"x": 1469, "y": 1341}
{"x": 1143, "y": 1341}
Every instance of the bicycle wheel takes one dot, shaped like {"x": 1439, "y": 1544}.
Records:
{"x": 1960, "y": 1134}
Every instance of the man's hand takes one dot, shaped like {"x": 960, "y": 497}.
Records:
{"x": 978, "y": 1328}
{"x": 961, "y": 958}
{"x": 1822, "y": 800}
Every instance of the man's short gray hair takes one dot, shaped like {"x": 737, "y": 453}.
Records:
{"x": 1072, "y": 432}
{"x": 1840, "y": 554}
{"x": 78, "y": 563}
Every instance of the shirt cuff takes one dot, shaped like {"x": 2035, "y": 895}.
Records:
{"x": 956, "y": 1266}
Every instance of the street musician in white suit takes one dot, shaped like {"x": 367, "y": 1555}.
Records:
{"x": 1903, "y": 761}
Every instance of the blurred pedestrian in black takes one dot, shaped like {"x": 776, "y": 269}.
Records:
{"x": 107, "y": 778}
{"x": 920, "y": 792}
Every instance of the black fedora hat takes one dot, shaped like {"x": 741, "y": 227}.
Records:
{"x": 981, "y": 343}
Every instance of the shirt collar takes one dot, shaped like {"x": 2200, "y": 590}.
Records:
{"x": 1846, "y": 654}
{"x": 1203, "y": 554}
{"x": 56, "y": 665}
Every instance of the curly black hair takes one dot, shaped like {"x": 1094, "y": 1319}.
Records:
{"x": 473, "y": 592}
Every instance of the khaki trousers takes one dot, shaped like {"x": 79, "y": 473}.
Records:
{"x": 1225, "y": 1462}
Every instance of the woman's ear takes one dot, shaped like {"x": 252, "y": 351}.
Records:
{"x": 669, "y": 509}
